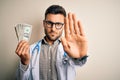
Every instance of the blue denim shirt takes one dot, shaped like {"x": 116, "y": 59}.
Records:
{"x": 65, "y": 64}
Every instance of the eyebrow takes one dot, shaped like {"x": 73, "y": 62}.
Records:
{"x": 54, "y": 22}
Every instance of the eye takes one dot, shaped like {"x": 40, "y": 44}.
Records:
{"x": 48, "y": 23}
{"x": 59, "y": 24}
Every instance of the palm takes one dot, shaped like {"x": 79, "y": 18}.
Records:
{"x": 74, "y": 42}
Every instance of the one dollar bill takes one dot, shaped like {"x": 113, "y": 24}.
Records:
{"x": 23, "y": 31}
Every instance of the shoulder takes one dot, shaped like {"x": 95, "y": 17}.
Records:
{"x": 32, "y": 46}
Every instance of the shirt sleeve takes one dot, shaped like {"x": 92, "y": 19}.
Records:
{"x": 23, "y": 72}
{"x": 80, "y": 61}
{"x": 24, "y": 67}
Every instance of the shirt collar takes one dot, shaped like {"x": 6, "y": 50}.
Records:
{"x": 55, "y": 42}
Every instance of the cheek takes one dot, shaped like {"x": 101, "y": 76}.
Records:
{"x": 60, "y": 32}
{"x": 46, "y": 30}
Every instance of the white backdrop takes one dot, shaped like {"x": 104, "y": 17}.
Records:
{"x": 101, "y": 21}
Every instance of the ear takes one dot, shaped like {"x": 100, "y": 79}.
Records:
{"x": 43, "y": 23}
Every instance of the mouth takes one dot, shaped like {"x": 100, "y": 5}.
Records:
{"x": 52, "y": 33}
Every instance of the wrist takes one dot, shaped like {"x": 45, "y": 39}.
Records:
{"x": 25, "y": 62}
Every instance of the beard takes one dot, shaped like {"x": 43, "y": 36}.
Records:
{"x": 52, "y": 35}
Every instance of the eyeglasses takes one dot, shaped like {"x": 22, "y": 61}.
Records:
{"x": 50, "y": 24}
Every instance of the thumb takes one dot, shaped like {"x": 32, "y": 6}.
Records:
{"x": 64, "y": 43}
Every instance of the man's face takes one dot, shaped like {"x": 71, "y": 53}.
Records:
{"x": 52, "y": 33}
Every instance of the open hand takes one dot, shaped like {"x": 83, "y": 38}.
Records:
{"x": 74, "y": 42}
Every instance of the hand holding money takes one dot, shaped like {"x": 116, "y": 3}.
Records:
{"x": 22, "y": 51}
{"x": 23, "y": 32}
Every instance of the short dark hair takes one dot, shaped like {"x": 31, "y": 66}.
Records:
{"x": 55, "y": 9}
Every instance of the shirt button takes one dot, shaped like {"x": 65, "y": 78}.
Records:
{"x": 49, "y": 70}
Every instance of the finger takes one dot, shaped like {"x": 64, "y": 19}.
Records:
{"x": 70, "y": 23}
{"x": 23, "y": 48}
{"x": 65, "y": 46}
{"x": 75, "y": 24}
{"x": 21, "y": 45}
{"x": 64, "y": 43}
{"x": 25, "y": 52}
{"x": 81, "y": 29}
{"x": 18, "y": 47}
{"x": 66, "y": 28}
{"x": 28, "y": 48}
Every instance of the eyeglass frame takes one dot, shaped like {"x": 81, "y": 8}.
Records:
{"x": 52, "y": 23}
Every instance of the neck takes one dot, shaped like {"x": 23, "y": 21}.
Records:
{"x": 50, "y": 42}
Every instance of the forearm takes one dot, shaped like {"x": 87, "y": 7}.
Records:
{"x": 23, "y": 72}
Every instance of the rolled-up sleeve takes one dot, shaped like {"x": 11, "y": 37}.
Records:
{"x": 80, "y": 61}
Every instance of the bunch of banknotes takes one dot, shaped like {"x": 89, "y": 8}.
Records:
{"x": 23, "y": 31}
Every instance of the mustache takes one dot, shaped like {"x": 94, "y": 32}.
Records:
{"x": 52, "y": 31}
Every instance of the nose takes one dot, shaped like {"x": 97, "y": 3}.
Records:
{"x": 53, "y": 27}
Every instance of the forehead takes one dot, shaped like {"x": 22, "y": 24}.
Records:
{"x": 55, "y": 17}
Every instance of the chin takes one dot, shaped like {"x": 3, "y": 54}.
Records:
{"x": 53, "y": 38}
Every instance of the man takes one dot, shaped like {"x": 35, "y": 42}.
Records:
{"x": 54, "y": 57}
